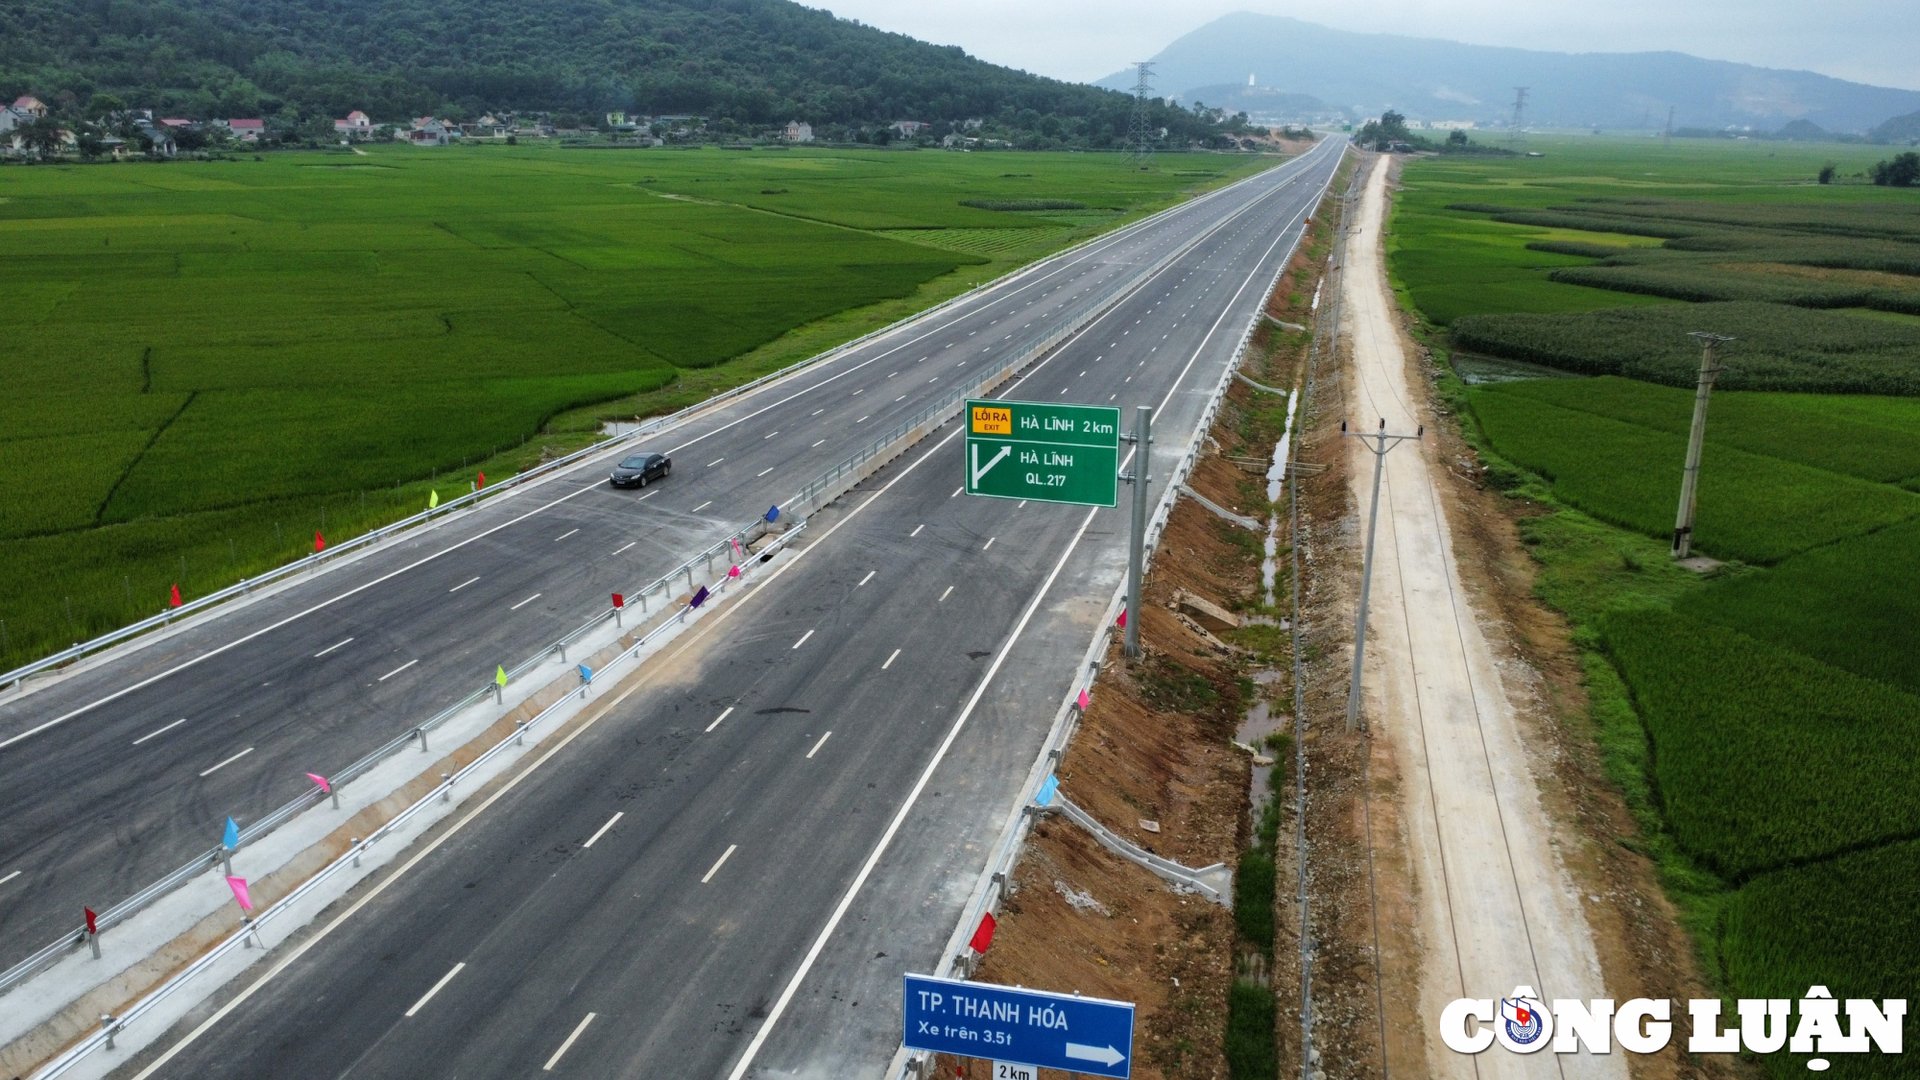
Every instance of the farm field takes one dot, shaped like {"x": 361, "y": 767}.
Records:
{"x": 209, "y": 362}
{"x": 1758, "y": 716}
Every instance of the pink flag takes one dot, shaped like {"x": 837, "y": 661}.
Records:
{"x": 322, "y": 781}
{"x": 239, "y": 887}
{"x": 735, "y": 572}
{"x": 1082, "y": 700}
{"x": 736, "y": 547}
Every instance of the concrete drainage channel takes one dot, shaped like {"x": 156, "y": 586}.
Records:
{"x": 180, "y": 939}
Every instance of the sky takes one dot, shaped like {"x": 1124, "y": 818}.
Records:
{"x": 1870, "y": 41}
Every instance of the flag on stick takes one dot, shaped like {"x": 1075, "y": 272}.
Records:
{"x": 1044, "y": 797}
{"x": 734, "y": 571}
{"x": 499, "y": 675}
{"x": 325, "y": 788}
{"x": 619, "y": 600}
{"x": 699, "y": 597}
{"x": 433, "y": 498}
{"x": 240, "y": 896}
{"x": 173, "y": 599}
{"x": 319, "y": 542}
{"x": 1121, "y": 622}
{"x": 983, "y": 936}
{"x": 231, "y": 838}
{"x": 1083, "y": 701}
{"x": 93, "y": 921}
{"x": 481, "y": 482}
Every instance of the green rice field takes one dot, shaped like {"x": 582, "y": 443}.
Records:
{"x": 1759, "y": 716}
{"x": 206, "y": 363}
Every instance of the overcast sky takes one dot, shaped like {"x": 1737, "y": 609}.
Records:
{"x": 1871, "y": 41}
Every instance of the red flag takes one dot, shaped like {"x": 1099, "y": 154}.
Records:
{"x": 93, "y": 921}
{"x": 619, "y": 601}
{"x": 173, "y": 600}
{"x": 480, "y": 483}
{"x": 319, "y": 542}
{"x": 983, "y": 937}
{"x": 1121, "y": 622}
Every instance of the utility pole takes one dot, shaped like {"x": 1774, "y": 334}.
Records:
{"x": 1519, "y": 111}
{"x": 1380, "y": 443}
{"x": 1690, "y": 478}
{"x": 1136, "y": 550}
{"x": 1666, "y": 137}
{"x": 1140, "y": 133}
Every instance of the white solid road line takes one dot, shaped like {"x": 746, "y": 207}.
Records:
{"x": 944, "y": 595}
{"x": 703, "y": 506}
{"x": 463, "y": 584}
{"x": 803, "y": 639}
{"x": 159, "y": 731}
{"x": 625, "y": 546}
{"x": 428, "y": 996}
{"x": 330, "y": 648}
{"x": 565, "y": 1046}
{"x": 525, "y": 602}
{"x": 398, "y": 670}
{"x": 866, "y": 579}
{"x": 9, "y": 877}
{"x": 890, "y": 660}
{"x": 780, "y": 1004}
{"x": 717, "y": 863}
{"x": 722, "y": 716}
{"x": 916, "y": 529}
{"x": 810, "y": 753}
{"x": 564, "y": 535}
{"x": 988, "y": 544}
{"x": 603, "y": 829}
{"x": 224, "y": 764}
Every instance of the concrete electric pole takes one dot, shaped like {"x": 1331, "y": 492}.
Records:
{"x": 1690, "y": 478}
{"x": 1136, "y": 549}
{"x": 1380, "y": 442}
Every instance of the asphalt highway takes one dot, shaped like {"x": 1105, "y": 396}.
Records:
{"x": 724, "y": 872}
{"x": 120, "y": 770}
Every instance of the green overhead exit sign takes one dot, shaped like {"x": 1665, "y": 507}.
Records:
{"x": 1043, "y": 452}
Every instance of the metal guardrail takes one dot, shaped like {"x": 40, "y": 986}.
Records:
{"x": 810, "y": 497}
{"x": 956, "y": 960}
{"x": 112, "y": 1026}
{"x": 17, "y": 677}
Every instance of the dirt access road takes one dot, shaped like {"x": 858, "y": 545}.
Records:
{"x": 1496, "y": 906}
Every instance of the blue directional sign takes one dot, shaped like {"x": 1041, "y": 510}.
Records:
{"x": 1028, "y": 1027}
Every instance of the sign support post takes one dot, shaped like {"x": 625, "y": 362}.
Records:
{"x": 1136, "y": 548}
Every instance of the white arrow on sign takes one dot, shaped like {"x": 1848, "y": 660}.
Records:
{"x": 978, "y": 470}
{"x": 1105, "y": 1055}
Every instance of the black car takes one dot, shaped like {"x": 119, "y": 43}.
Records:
{"x": 636, "y": 469}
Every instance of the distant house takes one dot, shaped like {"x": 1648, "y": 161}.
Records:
{"x": 971, "y": 123}
{"x": 247, "y": 130}
{"x": 157, "y": 141}
{"x": 12, "y": 118}
{"x": 30, "y": 106}
{"x": 357, "y": 125}
{"x": 176, "y": 122}
{"x": 798, "y": 131}
{"x": 616, "y": 119}
{"x": 907, "y": 129}
{"x": 429, "y": 132}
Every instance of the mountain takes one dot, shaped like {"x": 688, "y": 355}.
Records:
{"x": 1431, "y": 79}
{"x": 1900, "y": 129}
{"x": 750, "y": 62}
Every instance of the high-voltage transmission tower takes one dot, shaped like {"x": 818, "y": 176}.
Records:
{"x": 1519, "y": 112}
{"x": 1140, "y": 133}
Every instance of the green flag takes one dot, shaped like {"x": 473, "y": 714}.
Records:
{"x": 500, "y": 676}
{"x": 433, "y": 498}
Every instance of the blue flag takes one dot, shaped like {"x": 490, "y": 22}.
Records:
{"x": 231, "y": 838}
{"x": 586, "y": 673}
{"x": 699, "y": 597}
{"x": 1044, "y": 797}
{"x": 773, "y": 514}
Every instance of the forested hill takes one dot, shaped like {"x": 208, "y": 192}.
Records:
{"x": 750, "y": 61}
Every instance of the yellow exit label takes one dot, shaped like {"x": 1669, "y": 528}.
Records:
{"x": 988, "y": 420}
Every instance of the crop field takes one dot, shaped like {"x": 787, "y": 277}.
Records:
{"x": 208, "y": 362}
{"x": 1760, "y": 719}
{"x": 1751, "y": 507}
{"x": 1848, "y": 924}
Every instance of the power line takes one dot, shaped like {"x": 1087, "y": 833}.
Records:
{"x": 1140, "y": 134}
